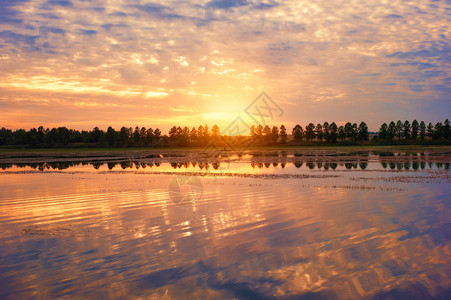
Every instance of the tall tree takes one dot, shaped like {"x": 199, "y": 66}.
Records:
{"x": 383, "y": 131}
{"x": 274, "y": 134}
{"x": 267, "y": 134}
{"x": 297, "y": 133}
{"x": 422, "y": 130}
{"x": 123, "y": 136}
{"x": 406, "y": 129}
{"x": 110, "y": 136}
{"x": 215, "y": 131}
{"x": 173, "y": 133}
{"x": 446, "y": 129}
{"x": 157, "y": 134}
{"x": 391, "y": 132}
{"x": 310, "y": 132}
{"x": 430, "y": 130}
{"x": 348, "y": 130}
{"x": 326, "y": 132}
{"x": 415, "y": 128}
{"x": 399, "y": 129}
{"x": 438, "y": 131}
{"x": 341, "y": 133}
{"x": 193, "y": 136}
{"x": 283, "y": 134}
{"x": 355, "y": 132}
{"x": 149, "y": 136}
{"x": 333, "y": 132}
{"x": 319, "y": 132}
{"x": 363, "y": 132}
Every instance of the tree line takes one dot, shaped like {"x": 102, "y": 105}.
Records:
{"x": 326, "y": 133}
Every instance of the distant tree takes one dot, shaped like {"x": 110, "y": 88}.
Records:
{"x": 333, "y": 132}
{"x": 319, "y": 132}
{"x": 406, "y": 129}
{"x": 193, "y": 136}
{"x": 383, "y": 131}
{"x": 185, "y": 136}
{"x": 274, "y": 134}
{"x": 206, "y": 132}
{"x": 430, "y": 130}
{"x": 363, "y": 132}
{"x": 173, "y": 133}
{"x": 399, "y": 127}
{"x": 215, "y": 131}
{"x": 40, "y": 134}
{"x": 95, "y": 136}
{"x": 348, "y": 130}
{"x": 267, "y": 134}
{"x": 259, "y": 131}
{"x": 297, "y": 133}
{"x": 355, "y": 132}
{"x": 157, "y": 134}
{"x": 253, "y": 133}
{"x": 310, "y": 132}
{"x": 136, "y": 136}
{"x": 446, "y": 129}
{"x": 283, "y": 134}
{"x": 149, "y": 137}
{"x": 415, "y": 128}
{"x": 341, "y": 133}
{"x": 326, "y": 132}
{"x": 391, "y": 132}
{"x": 123, "y": 136}
{"x": 422, "y": 130}
{"x": 111, "y": 136}
{"x": 438, "y": 131}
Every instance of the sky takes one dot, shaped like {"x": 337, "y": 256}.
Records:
{"x": 88, "y": 63}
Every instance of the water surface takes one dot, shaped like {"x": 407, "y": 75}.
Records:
{"x": 319, "y": 226}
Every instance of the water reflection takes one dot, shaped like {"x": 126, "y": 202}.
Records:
{"x": 118, "y": 235}
{"x": 311, "y": 165}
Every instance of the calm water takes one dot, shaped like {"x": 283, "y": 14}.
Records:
{"x": 253, "y": 227}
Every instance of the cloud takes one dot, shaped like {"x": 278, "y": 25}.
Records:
{"x": 226, "y": 4}
{"x": 213, "y": 55}
{"x": 64, "y": 3}
{"x": 9, "y": 13}
{"x": 87, "y": 31}
{"x": 17, "y": 38}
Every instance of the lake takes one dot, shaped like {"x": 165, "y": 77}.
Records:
{"x": 295, "y": 224}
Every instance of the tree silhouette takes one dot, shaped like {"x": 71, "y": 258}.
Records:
{"x": 391, "y": 132}
{"x": 406, "y": 129}
{"x": 333, "y": 132}
{"x": 422, "y": 130}
{"x": 326, "y": 132}
{"x": 283, "y": 134}
{"x": 193, "y": 136}
{"x": 446, "y": 129}
{"x": 430, "y": 130}
{"x": 415, "y": 128}
{"x": 310, "y": 132}
{"x": 355, "y": 131}
{"x": 297, "y": 133}
{"x": 363, "y": 132}
{"x": 215, "y": 132}
{"x": 383, "y": 131}
{"x": 319, "y": 132}
{"x": 399, "y": 127}
{"x": 349, "y": 130}
{"x": 274, "y": 134}
{"x": 438, "y": 131}
{"x": 341, "y": 133}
